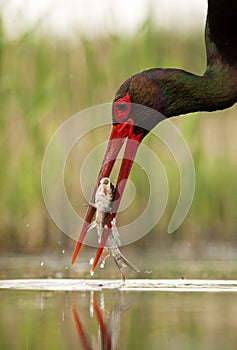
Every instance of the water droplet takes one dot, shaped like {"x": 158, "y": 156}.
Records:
{"x": 63, "y": 251}
{"x": 28, "y": 225}
{"x": 59, "y": 242}
{"x": 92, "y": 273}
{"x": 42, "y": 263}
{"x": 91, "y": 261}
{"x": 66, "y": 267}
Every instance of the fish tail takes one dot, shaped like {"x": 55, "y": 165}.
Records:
{"x": 121, "y": 261}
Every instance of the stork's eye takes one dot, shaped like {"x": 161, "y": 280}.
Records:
{"x": 121, "y": 108}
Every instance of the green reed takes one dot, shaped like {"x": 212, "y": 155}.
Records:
{"x": 45, "y": 79}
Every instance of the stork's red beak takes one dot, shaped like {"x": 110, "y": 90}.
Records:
{"x": 118, "y": 135}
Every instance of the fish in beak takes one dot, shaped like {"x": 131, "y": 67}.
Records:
{"x": 103, "y": 204}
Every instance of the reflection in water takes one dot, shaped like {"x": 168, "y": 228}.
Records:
{"x": 82, "y": 335}
{"x": 108, "y": 323}
{"x": 41, "y": 320}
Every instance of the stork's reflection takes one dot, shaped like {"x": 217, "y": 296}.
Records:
{"x": 108, "y": 323}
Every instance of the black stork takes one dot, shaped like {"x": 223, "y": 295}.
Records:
{"x": 171, "y": 92}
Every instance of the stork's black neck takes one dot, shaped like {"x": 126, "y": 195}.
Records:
{"x": 174, "y": 92}
{"x": 222, "y": 27}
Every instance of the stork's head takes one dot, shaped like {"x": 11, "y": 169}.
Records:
{"x": 137, "y": 102}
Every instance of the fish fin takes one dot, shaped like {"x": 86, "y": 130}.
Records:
{"x": 90, "y": 205}
{"x": 95, "y": 205}
{"x": 91, "y": 226}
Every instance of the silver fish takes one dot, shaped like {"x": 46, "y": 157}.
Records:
{"x": 103, "y": 201}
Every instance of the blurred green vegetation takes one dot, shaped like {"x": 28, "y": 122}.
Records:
{"x": 45, "y": 79}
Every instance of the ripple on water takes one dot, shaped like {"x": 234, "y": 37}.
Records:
{"x": 172, "y": 285}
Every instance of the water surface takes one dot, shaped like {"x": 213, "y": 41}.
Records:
{"x": 65, "y": 309}
{"x": 116, "y": 319}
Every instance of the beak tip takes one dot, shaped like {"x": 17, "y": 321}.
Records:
{"x": 76, "y": 251}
